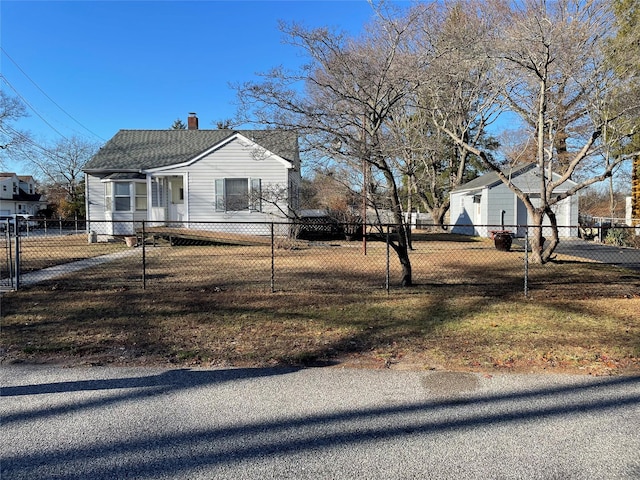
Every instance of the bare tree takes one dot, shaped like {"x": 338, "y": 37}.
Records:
{"x": 623, "y": 53}
{"x": 61, "y": 164}
{"x": 551, "y": 72}
{"x": 225, "y": 124}
{"x": 342, "y": 102}
{"x": 11, "y": 140}
{"x": 454, "y": 90}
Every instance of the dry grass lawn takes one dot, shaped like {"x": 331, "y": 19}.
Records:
{"x": 212, "y": 306}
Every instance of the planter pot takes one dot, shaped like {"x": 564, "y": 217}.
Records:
{"x": 502, "y": 241}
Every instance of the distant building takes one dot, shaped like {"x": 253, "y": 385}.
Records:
{"x": 486, "y": 204}
{"x": 18, "y": 195}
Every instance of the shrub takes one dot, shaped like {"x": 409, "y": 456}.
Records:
{"x": 620, "y": 237}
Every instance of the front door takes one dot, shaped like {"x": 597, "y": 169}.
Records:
{"x": 176, "y": 199}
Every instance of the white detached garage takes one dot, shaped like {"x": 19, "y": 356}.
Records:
{"x": 486, "y": 204}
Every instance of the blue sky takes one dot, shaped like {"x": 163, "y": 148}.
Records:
{"x": 90, "y": 68}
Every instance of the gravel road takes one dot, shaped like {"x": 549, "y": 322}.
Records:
{"x": 317, "y": 423}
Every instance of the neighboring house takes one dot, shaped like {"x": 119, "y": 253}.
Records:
{"x": 486, "y": 204}
{"x": 182, "y": 177}
{"x": 18, "y": 195}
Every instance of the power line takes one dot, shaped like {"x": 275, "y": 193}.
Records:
{"x": 47, "y": 96}
{"x": 28, "y": 139}
{"x": 26, "y": 102}
{"x": 8, "y": 130}
{"x": 12, "y": 131}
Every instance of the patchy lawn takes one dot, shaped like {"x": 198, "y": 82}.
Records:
{"x": 416, "y": 329}
{"x": 212, "y": 306}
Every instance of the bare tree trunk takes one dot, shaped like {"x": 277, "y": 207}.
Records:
{"x": 409, "y": 213}
{"x": 540, "y": 253}
{"x": 553, "y": 243}
{"x": 403, "y": 255}
{"x": 612, "y": 199}
{"x": 535, "y": 236}
{"x": 401, "y": 247}
{"x": 438, "y": 215}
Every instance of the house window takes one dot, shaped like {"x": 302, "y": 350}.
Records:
{"x": 141, "y": 195}
{"x": 238, "y": 194}
{"x": 122, "y": 196}
{"x": 157, "y": 193}
{"x": 108, "y": 196}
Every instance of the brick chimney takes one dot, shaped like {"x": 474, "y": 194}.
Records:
{"x": 192, "y": 121}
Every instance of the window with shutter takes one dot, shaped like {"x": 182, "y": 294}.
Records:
{"x": 238, "y": 194}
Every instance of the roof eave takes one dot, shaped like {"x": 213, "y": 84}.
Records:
{"x": 92, "y": 171}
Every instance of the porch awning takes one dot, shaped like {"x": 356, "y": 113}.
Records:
{"x": 125, "y": 176}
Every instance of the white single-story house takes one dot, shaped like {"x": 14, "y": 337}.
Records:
{"x": 182, "y": 177}
{"x": 486, "y": 204}
{"x": 18, "y": 195}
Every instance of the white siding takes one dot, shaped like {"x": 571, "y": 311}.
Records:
{"x": 487, "y": 215}
{"x": 481, "y": 214}
{"x": 239, "y": 158}
{"x": 6, "y": 188}
{"x": 234, "y": 160}
{"x": 95, "y": 197}
{"x": 501, "y": 199}
{"x": 462, "y": 213}
{"x": 566, "y": 216}
{"x": 105, "y": 223}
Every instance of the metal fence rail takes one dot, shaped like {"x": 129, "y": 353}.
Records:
{"x": 277, "y": 257}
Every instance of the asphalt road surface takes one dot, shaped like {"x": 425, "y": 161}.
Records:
{"x": 620, "y": 256}
{"x": 318, "y": 423}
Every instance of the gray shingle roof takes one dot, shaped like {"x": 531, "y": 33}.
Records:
{"x": 145, "y": 149}
{"x": 491, "y": 178}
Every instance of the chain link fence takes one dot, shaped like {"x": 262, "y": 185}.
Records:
{"x": 281, "y": 257}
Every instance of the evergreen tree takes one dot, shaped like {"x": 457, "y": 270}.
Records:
{"x": 178, "y": 125}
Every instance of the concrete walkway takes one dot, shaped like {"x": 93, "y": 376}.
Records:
{"x": 51, "y": 273}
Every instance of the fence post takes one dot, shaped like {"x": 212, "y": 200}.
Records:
{"x": 144, "y": 258}
{"x": 17, "y": 257}
{"x": 10, "y": 262}
{"x": 526, "y": 261}
{"x": 388, "y": 268}
{"x": 273, "y": 263}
